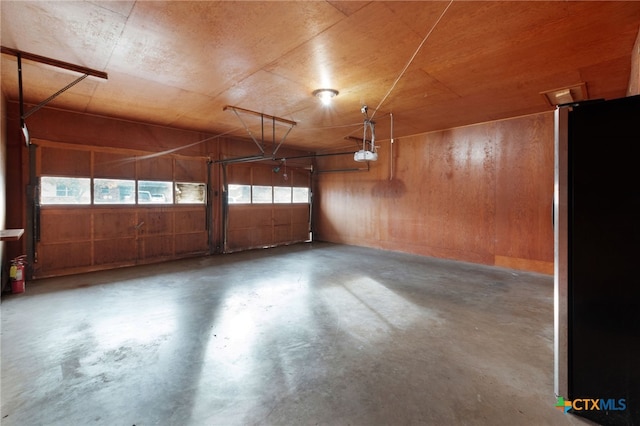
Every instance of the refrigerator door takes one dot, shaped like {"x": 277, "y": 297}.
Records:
{"x": 597, "y": 251}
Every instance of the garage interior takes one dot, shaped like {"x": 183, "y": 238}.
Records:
{"x": 209, "y": 240}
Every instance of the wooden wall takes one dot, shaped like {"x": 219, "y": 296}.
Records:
{"x": 480, "y": 193}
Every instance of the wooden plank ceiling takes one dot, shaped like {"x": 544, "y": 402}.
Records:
{"x": 178, "y": 63}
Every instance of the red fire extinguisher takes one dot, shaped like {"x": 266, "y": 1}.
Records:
{"x": 17, "y": 274}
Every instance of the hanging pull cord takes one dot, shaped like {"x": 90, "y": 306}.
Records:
{"x": 404, "y": 70}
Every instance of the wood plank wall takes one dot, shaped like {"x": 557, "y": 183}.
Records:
{"x": 480, "y": 193}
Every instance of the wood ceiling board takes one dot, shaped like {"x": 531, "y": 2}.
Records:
{"x": 421, "y": 16}
{"x": 269, "y": 93}
{"x": 209, "y": 46}
{"x": 369, "y": 45}
{"x": 348, "y": 7}
{"x": 363, "y": 58}
{"x": 204, "y": 115}
{"x": 416, "y": 89}
{"x": 614, "y": 86}
{"x": 508, "y": 76}
{"x": 332, "y": 139}
{"x": 549, "y": 31}
{"x": 129, "y": 97}
{"x": 472, "y": 31}
{"x": 118, "y": 6}
{"x": 178, "y": 63}
{"x": 76, "y": 32}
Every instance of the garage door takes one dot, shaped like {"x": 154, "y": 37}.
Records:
{"x": 100, "y": 209}
{"x": 267, "y": 206}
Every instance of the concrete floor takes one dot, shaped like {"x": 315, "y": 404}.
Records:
{"x": 312, "y": 334}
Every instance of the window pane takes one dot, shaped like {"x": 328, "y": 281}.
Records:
{"x": 300, "y": 195}
{"x": 155, "y": 192}
{"x": 282, "y": 194}
{"x": 239, "y": 194}
{"x": 191, "y": 193}
{"x": 262, "y": 194}
{"x": 114, "y": 191}
{"x": 63, "y": 190}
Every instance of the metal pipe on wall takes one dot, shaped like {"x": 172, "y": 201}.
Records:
{"x": 342, "y": 170}
{"x": 255, "y": 158}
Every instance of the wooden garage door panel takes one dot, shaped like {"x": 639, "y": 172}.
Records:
{"x": 261, "y": 237}
{"x": 262, "y": 175}
{"x": 81, "y": 238}
{"x": 191, "y": 243}
{"x": 300, "y": 214}
{"x": 158, "y": 246}
{"x": 247, "y": 216}
{"x": 239, "y": 174}
{"x": 261, "y": 215}
{"x": 65, "y": 162}
{"x": 239, "y": 215}
{"x": 282, "y": 234}
{"x": 113, "y": 224}
{"x": 282, "y": 215}
{"x": 54, "y": 257}
{"x": 113, "y": 165}
{"x": 300, "y": 178}
{"x": 190, "y": 170}
{"x": 65, "y": 225}
{"x": 121, "y": 251}
{"x": 156, "y": 168}
{"x": 238, "y": 239}
{"x": 156, "y": 222}
{"x": 262, "y": 225}
{"x": 190, "y": 220}
{"x": 300, "y": 232}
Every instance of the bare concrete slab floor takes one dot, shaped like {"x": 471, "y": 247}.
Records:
{"x": 312, "y": 334}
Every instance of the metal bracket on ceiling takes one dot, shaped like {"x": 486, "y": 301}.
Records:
{"x": 52, "y": 97}
{"x": 86, "y": 72}
{"x": 261, "y": 144}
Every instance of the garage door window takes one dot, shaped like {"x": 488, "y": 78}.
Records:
{"x": 114, "y": 191}
{"x": 300, "y": 195}
{"x": 155, "y": 192}
{"x": 282, "y": 194}
{"x": 239, "y": 194}
{"x": 59, "y": 190}
{"x": 65, "y": 190}
{"x": 191, "y": 193}
{"x": 262, "y": 194}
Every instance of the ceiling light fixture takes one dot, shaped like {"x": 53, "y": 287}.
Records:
{"x": 325, "y": 95}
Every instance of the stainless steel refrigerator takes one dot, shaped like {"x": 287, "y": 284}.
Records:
{"x": 597, "y": 260}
